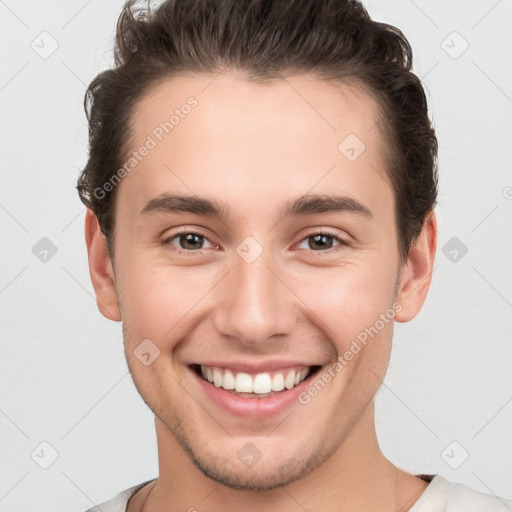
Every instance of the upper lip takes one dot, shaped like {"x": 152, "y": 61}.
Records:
{"x": 256, "y": 367}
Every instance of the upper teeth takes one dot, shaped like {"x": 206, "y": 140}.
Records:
{"x": 260, "y": 383}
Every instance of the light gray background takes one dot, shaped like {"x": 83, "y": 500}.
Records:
{"x": 63, "y": 376}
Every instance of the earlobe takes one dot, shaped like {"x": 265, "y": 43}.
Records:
{"x": 416, "y": 274}
{"x": 100, "y": 269}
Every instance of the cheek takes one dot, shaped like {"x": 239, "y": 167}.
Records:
{"x": 351, "y": 298}
{"x": 155, "y": 299}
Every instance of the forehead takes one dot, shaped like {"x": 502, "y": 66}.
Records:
{"x": 229, "y": 101}
{"x": 287, "y": 136}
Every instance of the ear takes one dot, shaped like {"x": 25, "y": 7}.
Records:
{"x": 416, "y": 274}
{"x": 100, "y": 268}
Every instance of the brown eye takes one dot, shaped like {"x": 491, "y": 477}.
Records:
{"x": 188, "y": 241}
{"x": 322, "y": 242}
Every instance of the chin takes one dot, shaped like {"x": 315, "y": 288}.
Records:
{"x": 269, "y": 469}
{"x": 269, "y": 476}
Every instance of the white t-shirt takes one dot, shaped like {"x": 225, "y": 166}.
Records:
{"x": 440, "y": 496}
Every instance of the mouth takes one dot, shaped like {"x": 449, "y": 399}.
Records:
{"x": 255, "y": 385}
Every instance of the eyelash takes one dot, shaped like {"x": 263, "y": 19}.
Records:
{"x": 194, "y": 252}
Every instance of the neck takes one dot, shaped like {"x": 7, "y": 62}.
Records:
{"x": 357, "y": 476}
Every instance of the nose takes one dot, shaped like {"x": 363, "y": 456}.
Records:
{"x": 255, "y": 305}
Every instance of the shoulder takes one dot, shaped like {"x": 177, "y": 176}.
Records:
{"x": 462, "y": 498}
{"x": 119, "y": 501}
{"x": 444, "y": 496}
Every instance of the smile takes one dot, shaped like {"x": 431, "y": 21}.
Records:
{"x": 255, "y": 385}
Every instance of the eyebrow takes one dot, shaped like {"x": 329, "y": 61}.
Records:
{"x": 300, "y": 207}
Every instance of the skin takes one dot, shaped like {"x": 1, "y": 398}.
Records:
{"x": 253, "y": 147}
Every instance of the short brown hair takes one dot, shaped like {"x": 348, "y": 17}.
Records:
{"x": 334, "y": 39}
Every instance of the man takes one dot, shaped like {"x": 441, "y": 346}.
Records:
{"x": 260, "y": 191}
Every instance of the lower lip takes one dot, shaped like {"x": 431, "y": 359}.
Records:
{"x": 252, "y": 407}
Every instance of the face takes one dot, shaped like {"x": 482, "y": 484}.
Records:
{"x": 255, "y": 251}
